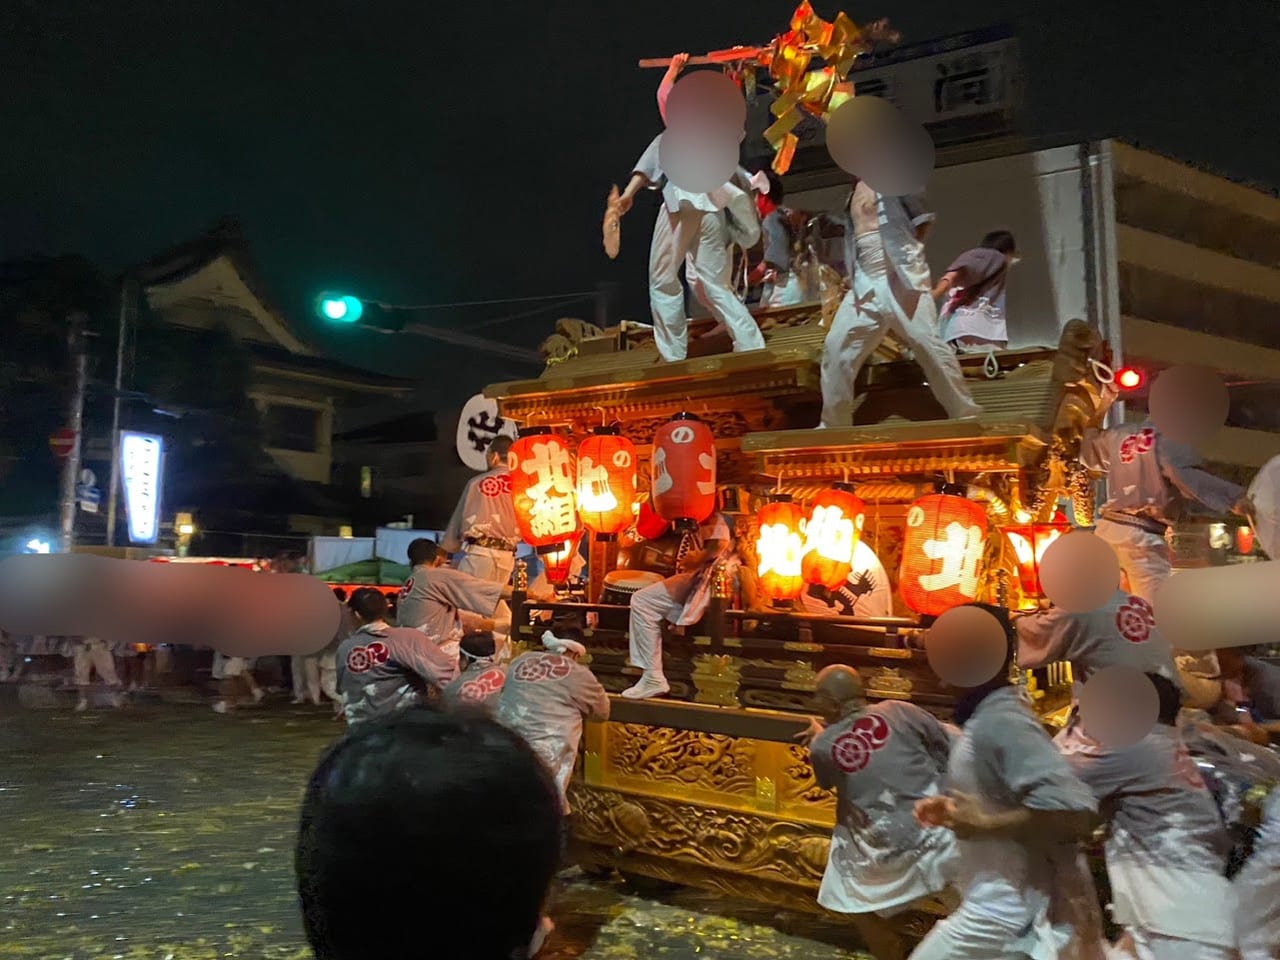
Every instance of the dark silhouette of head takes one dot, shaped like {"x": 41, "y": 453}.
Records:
{"x": 424, "y": 552}
{"x": 369, "y": 605}
{"x": 1001, "y": 240}
{"x": 380, "y": 854}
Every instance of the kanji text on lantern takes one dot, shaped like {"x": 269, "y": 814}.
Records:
{"x": 553, "y": 512}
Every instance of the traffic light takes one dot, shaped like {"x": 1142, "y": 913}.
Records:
{"x": 339, "y": 308}
{"x": 1130, "y": 378}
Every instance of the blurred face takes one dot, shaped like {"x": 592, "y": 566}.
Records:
{"x": 828, "y": 707}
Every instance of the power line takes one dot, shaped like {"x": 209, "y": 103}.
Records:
{"x": 582, "y": 294}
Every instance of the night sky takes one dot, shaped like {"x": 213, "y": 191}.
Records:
{"x": 418, "y": 156}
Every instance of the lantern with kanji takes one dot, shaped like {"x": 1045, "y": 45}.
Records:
{"x": 557, "y": 564}
{"x": 1029, "y": 542}
{"x": 831, "y": 534}
{"x": 779, "y": 549}
{"x": 683, "y": 465}
{"x": 543, "y": 491}
{"x": 942, "y": 552}
{"x": 606, "y": 482}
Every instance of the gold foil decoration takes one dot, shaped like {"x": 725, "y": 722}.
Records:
{"x": 838, "y": 44}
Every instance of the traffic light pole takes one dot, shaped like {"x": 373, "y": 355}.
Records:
{"x": 76, "y": 341}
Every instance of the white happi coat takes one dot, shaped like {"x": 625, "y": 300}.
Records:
{"x": 443, "y": 602}
{"x": 1148, "y": 479}
{"x": 1258, "y": 890}
{"x": 545, "y": 699}
{"x": 1122, "y": 632}
{"x": 382, "y": 669}
{"x": 1019, "y": 903}
{"x": 483, "y": 530}
{"x": 880, "y": 762}
{"x": 1166, "y": 848}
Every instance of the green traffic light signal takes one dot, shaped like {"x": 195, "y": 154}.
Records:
{"x": 340, "y": 308}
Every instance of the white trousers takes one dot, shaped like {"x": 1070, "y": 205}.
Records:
{"x": 649, "y": 607}
{"x": 1144, "y": 556}
{"x": 865, "y": 316}
{"x": 486, "y": 563}
{"x": 675, "y": 236}
{"x": 1142, "y": 945}
{"x": 495, "y": 566}
{"x": 790, "y": 292}
{"x": 306, "y": 678}
{"x": 94, "y": 656}
{"x": 1258, "y": 901}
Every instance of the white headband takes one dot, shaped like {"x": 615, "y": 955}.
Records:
{"x": 760, "y": 181}
{"x": 558, "y": 645}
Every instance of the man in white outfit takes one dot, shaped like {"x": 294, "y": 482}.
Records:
{"x": 891, "y": 293}
{"x": 1258, "y": 889}
{"x": 681, "y": 600}
{"x": 692, "y": 231}
{"x": 91, "y": 655}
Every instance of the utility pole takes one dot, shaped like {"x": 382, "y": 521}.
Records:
{"x": 76, "y": 341}
{"x": 128, "y": 305}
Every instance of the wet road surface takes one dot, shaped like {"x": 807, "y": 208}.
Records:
{"x": 166, "y": 831}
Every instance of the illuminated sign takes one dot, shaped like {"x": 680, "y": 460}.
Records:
{"x": 142, "y": 467}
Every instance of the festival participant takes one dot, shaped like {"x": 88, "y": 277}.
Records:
{"x": 973, "y": 320}
{"x": 443, "y": 602}
{"x": 879, "y": 759}
{"x": 866, "y": 591}
{"x": 482, "y": 533}
{"x": 1149, "y": 481}
{"x": 891, "y": 293}
{"x": 1019, "y": 814}
{"x": 91, "y": 655}
{"x": 780, "y": 228}
{"x": 546, "y": 698}
{"x": 479, "y": 678}
{"x": 693, "y": 224}
{"x": 384, "y": 824}
{"x": 1120, "y": 633}
{"x": 1258, "y": 889}
{"x": 1166, "y": 849}
{"x": 230, "y": 673}
{"x": 328, "y": 659}
{"x": 382, "y": 668}
{"x": 681, "y": 600}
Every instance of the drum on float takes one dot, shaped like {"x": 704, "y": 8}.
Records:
{"x": 621, "y": 585}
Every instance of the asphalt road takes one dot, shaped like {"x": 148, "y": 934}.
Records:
{"x": 165, "y": 832}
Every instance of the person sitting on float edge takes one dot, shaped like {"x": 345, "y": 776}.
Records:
{"x": 379, "y": 840}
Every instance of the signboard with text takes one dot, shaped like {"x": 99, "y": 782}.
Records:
{"x": 142, "y": 471}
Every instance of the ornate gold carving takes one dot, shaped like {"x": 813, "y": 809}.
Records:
{"x": 766, "y": 795}
{"x": 889, "y": 683}
{"x": 592, "y": 768}
{"x": 717, "y": 679}
{"x": 683, "y": 833}
{"x": 890, "y": 653}
{"x": 776, "y": 700}
{"x": 799, "y": 785}
{"x": 685, "y": 757}
{"x": 801, "y": 676}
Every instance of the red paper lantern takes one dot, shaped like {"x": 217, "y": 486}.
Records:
{"x": 942, "y": 553}
{"x": 606, "y": 482}
{"x": 650, "y": 526}
{"x": 779, "y": 549}
{"x": 831, "y": 535}
{"x": 683, "y": 466}
{"x": 1029, "y": 542}
{"x": 543, "y": 489}
{"x": 558, "y": 563}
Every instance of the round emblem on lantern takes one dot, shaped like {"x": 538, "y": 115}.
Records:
{"x": 683, "y": 471}
{"x": 915, "y": 517}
